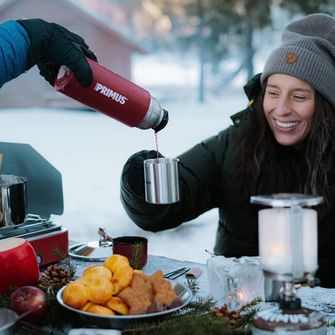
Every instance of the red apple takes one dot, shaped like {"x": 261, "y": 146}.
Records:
{"x": 18, "y": 264}
{"x": 30, "y": 298}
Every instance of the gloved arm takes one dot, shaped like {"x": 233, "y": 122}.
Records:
{"x": 51, "y": 46}
{"x": 199, "y": 185}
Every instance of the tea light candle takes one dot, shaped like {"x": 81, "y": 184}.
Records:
{"x": 276, "y": 251}
{"x": 243, "y": 296}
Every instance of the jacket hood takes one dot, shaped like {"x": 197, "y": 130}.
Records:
{"x": 253, "y": 87}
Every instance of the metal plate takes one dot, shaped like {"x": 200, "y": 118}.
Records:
{"x": 91, "y": 251}
{"x": 122, "y": 321}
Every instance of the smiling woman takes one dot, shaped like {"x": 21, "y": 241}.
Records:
{"x": 282, "y": 143}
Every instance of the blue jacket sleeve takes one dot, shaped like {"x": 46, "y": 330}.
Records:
{"x": 14, "y": 47}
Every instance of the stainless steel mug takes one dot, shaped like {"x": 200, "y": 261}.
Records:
{"x": 13, "y": 201}
{"x": 161, "y": 176}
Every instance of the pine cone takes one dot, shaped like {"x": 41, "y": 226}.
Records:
{"x": 55, "y": 276}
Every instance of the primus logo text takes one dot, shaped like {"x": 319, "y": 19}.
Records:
{"x": 110, "y": 93}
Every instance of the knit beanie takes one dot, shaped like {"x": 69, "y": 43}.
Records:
{"x": 307, "y": 52}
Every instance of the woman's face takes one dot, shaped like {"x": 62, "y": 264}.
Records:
{"x": 289, "y": 105}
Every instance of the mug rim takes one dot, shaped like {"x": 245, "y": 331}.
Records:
{"x": 128, "y": 240}
{"x": 161, "y": 160}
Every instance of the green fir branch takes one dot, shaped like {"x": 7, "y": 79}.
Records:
{"x": 4, "y": 300}
{"x": 196, "y": 319}
{"x": 137, "y": 256}
{"x": 26, "y": 328}
{"x": 5, "y": 297}
{"x": 193, "y": 285}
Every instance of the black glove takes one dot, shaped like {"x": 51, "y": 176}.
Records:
{"x": 133, "y": 170}
{"x": 51, "y": 46}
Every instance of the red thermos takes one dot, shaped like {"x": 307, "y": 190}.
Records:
{"x": 114, "y": 96}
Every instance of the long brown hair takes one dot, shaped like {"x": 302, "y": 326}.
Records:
{"x": 263, "y": 166}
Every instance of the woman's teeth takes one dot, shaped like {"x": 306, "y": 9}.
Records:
{"x": 286, "y": 124}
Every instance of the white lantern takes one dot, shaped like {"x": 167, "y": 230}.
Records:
{"x": 283, "y": 249}
{"x": 287, "y": 235}
{"x": 288, "y": 252}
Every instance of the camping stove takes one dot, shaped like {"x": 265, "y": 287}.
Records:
{"x": 43, "y": 195}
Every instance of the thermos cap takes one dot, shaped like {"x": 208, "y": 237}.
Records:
{"x": 163, "y": 122}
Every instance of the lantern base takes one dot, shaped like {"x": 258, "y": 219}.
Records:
{"x": 293, "y": 304}
{"x": 301, "y": 321}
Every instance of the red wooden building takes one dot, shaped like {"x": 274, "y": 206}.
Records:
{"x": 113, "y": 47}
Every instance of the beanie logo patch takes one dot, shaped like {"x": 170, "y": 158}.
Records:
{"x": 291, "y": 58}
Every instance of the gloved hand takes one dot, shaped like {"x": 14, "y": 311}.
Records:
{"x": 51, "y": 46}
{"x": 133, "y": 170}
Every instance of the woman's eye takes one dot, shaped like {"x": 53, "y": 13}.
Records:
{"x": 299, "y": 98}
{"x": 273, "y": 93}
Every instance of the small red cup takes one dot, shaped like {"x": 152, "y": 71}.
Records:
{"x": 135, "y": 248}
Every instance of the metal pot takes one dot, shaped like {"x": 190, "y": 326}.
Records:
{"x": 13, "y": 200}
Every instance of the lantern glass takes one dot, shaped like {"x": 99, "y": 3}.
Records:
{"x": 275, "y": 246}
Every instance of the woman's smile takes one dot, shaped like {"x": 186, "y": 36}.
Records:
{"x": 286, "y": 125}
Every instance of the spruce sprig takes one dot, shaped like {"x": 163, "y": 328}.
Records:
{"x": 26, "y": 328}
{"x": 136, "y": 256}
{"x": 193, "y": 285}
{"x": 4, "y": 300}
{"x": 196, "y": 319}
{"x": 5, "y": 297}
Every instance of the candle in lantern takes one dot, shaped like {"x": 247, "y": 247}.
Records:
{"x": 243, "y": 296}
{"x": 275, "y": 246}
{"x": 277, "y": 250}
{"x": 235, "y": 281}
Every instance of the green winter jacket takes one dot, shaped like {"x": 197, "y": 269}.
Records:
{"x": 206, "y": 185}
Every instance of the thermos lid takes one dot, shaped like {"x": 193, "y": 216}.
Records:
{"x": 287, "y": 200}
{"x": 163, "y": 122}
